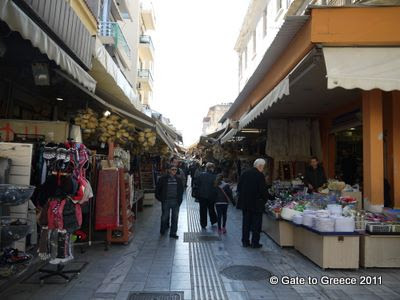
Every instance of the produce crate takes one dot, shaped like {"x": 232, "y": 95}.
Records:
{"x": 379, "y": 228}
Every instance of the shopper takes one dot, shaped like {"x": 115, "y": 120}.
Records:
{"x": 224, "y": 196}
{"x": 169, "y": 191}
{"x": 315, "y": 175}
{"x": 180, "y": 173}
{"x": 253, "y": 195}
{"x": 206, "y": 194}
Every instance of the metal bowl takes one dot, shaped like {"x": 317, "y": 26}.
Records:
{"x": 15, "y": 194}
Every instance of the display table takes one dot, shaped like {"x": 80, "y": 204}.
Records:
{"x": 380, "y": 251}
{"x": 281, "y": 231}
{"x": 328, "y": 250}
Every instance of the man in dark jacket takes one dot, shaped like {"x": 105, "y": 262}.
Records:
{"x": 315, "y": 175}
{"x": 169, "y": 191}
{"x": 206, "y": 193}
{"x": 253, "y": 195}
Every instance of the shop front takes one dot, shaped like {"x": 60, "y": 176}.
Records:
{"x": 330, "y": 93}
{"x": 62, "y": 146}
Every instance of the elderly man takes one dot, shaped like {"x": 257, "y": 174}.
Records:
{"x": 253, "y": 195}
{"x": 169, "y": 191}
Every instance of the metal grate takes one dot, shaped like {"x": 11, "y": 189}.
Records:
{"x": 248, "y": 273}
{"x": 195, "y": 237}
{"x": 156, "y": 296}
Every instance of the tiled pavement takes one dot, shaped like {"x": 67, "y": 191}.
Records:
{"x": 154, "y": 263}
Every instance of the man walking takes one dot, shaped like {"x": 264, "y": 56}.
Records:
{"x": 253, "y": 195}
{"x": 169, "y": 191}
{"x": 206, "y": 194}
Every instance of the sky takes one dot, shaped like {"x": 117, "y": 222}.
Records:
{"x": 195, "y": 64}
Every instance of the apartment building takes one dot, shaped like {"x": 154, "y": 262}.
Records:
{"x": 215, "y": 113}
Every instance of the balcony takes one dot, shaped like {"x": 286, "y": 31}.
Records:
{"x": 111, "y": 34}
{"x": 62, "y": 24}
{"x": 146, "y": 48}
{"x": 148, "y": 16}
{"x": 145, "y": 79}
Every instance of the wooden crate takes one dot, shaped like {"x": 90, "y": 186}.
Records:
{"x": 280, "y": 231}
{"x": 380, "y": 251}
{"x": 328, "y": 251}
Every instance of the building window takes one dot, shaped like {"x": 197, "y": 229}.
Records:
{"x": 265, "y": 22}
{"x": 254, "y": 43}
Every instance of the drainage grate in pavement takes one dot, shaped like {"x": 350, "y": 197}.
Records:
{"x": 250, "y": 273}
{"x": 156, "y": 296}
{"x": 193, "y": 237}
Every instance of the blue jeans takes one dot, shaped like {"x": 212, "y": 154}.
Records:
{"x": 169, "y": 208}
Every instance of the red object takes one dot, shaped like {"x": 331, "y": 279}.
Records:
{"x": 107, "y": 201}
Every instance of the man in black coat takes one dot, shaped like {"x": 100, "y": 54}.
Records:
{"x": 253, "y": 195}
{"x": 206, "y": 194}
{"x": 315, "y": 175}
{"x": 169, "y": 191}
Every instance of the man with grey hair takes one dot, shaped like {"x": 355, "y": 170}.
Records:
{"x": 253, "y": 195}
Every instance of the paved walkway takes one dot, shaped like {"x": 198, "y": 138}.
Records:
{"x": 154, "y": 263}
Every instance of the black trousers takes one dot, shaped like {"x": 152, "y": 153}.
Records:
{"x": 205, "y": 206}
{"x": 222, "y": 212}
{"x": 252, "y": 222}
{"x": 169, "y": 208}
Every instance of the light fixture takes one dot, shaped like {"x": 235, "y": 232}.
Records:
{"x": 352, "y": 128}
{"x": 107, "y": 113}
{"x": 41, "y": 73}
{"x": 250, "y": 131}
{"x": 59, "y": 99}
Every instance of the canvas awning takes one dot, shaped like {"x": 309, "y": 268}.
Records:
{"x": 164, "y": 136}
{"x": 110, "y": 79}
{"x": 18, "y": 21}
{"x": 366, "y": 68}
{"x": 231, "y": 133}
{"x": 277, "y": 93}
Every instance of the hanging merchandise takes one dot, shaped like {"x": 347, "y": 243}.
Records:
{"x": 147, "y": 139}
{"x": 88, "y": 121}
{"x": 113, "y": 128}
{"x": 299, "y": 135}
{"x": 277, "y": 145}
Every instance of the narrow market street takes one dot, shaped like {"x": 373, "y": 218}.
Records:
{"x": 151, "y": 263}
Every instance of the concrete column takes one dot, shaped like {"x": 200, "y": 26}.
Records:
{"x": 372, "y": 108}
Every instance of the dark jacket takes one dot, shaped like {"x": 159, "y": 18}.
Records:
{"x": 204, "y": 186}
{"x": 162, "y": 185}
{"x": 221, "y": 197}
{"x": 252, "y": 191}
{"x": 315, "y": 177}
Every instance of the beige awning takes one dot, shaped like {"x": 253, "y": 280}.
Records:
{"x": 365, "y": 68}
{"x": 18, "y": 21}
{"x": 110, "y": 79}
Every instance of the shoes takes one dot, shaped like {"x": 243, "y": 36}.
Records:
{"x": 174, "y": 236}
{"x": 256, "y": 246}
{"x": 220, "y": 231}
{"x": 162, "y": 232}
{"x": 246, "y": 244}
{"x": 223, "y": 230}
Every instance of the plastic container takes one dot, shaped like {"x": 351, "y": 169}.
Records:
{"x": 288, "y": 213}
{"x": 322, "y": 213}
{"x": 325, "y": 224}
{"x": 14, "y": 229}
{"x": 344, "y": 224}
{"x": 14, "y": 194}
{"x": 298, "y": 219}
{"x": 308, "y": 220}
{"x": 335, "y": 209}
